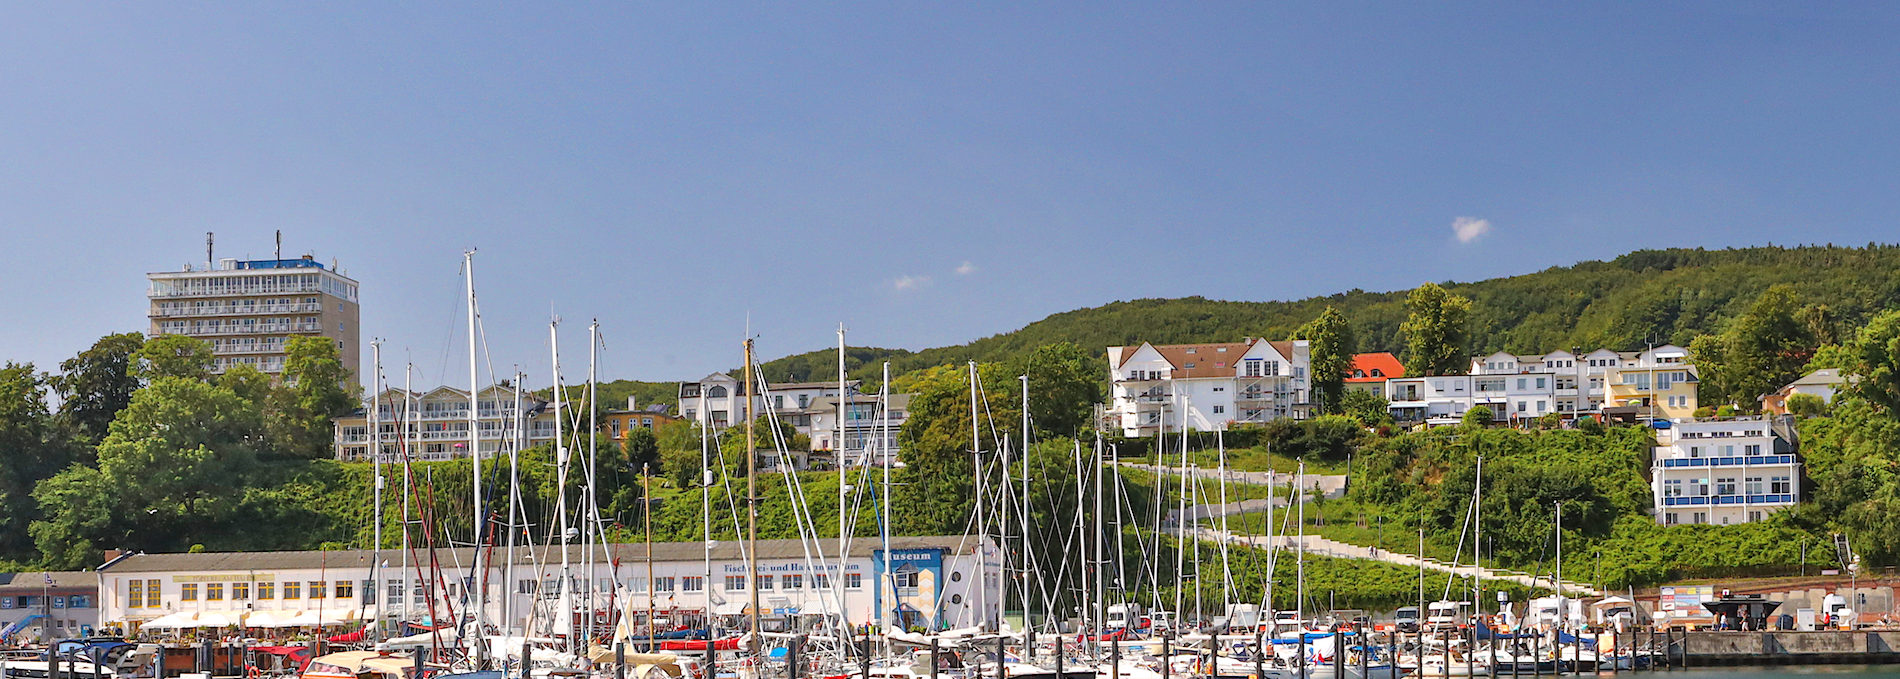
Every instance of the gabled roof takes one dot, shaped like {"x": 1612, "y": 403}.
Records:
{"x": 1822, "y": 377}
{"x": 33, "y": 581}
{"x": 1214, "y": 359}
{"x": 1384, "y": 362}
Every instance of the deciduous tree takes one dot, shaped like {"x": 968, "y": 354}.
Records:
{"x": 96, "y": 384}
{"x": 1435, "y": 332}
{"x": 1330, "y": 345}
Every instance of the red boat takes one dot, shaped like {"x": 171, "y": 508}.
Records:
{"x": 731, "y": 644}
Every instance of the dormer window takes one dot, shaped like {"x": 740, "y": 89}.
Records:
{"x": 1190, "y": 350}
{"x": 1220, "y": 350}
{"x": 1378, "y": 373}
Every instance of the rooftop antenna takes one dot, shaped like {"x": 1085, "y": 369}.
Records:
{"x": 208, "y": 259}
{"x": 280, "y": 245}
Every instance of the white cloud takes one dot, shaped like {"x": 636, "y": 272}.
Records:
{"x": 1470, "y": 228}
{"x": 909, "y": 282}
{"x": 966, "y": 269}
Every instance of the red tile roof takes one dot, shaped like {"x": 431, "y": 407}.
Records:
{"x": 1363, "y": 366}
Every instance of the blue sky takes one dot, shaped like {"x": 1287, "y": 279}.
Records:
{"x": 925, "y": 173}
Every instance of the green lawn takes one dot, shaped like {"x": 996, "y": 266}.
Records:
{"x": 1348, "y": 522}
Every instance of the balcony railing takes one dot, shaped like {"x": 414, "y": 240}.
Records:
{"x": 227, "y": 310}
{"x": 1153, "y": 398}
{"x": 273, "y": 287}
{"x": 257, "y": 329}
{"x": 248, "y": 349}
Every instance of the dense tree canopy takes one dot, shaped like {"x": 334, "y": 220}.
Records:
{"x": 1330, "y": 350}
{"x": 96, "y": 384}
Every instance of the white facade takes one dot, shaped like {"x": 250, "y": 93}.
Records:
{"x": 1207, "y": 386}
{"x": 1723, "y": 472}
{"x": 715, "y": 400}
{"x": 1516, "y": 386}
{"x": 867, "y": 440}
{"x": 930, "y": 581}
{"x": 434, "y": 424}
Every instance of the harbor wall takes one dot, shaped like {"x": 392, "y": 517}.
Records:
{"x": 1757, "y": 648}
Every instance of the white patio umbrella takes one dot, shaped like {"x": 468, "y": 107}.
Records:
{"x": 179, "y": 620}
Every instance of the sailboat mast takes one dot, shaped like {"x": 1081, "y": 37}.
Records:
{"x": 839, "y": 448}
{"x": 514, "y": 505}
{"x": 1299, "y": 557}
{"x": 376, "y": 470}
{"x": 560, "y": 485}
{"x": 705, "y": 506}
{"x": 1101, "y": 580}
{"x": 590, "y": 531}
{"x": 646, "y": 514}
{"x": 1477, "y": 545}
{"x": 480, "y": 599}
{"x": 752, "y": 500}
{"x": 1226, "y": 563}
{"x": 402, "y": 425}
{"x": 1024, "y": 518}
{"x": 976, "y": 453}
{"x": 884, "y": 508}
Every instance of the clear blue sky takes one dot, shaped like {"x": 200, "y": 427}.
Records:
{"x": 926, "y": 173}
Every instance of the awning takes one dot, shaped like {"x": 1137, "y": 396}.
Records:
{"x": 216, "y": 620}
{"x": 181, "y": 620}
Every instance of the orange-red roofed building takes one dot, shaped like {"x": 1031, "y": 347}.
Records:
{"x": 1370, "y": 371}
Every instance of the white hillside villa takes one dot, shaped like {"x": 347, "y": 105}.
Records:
{"x": 1207, "y": 387}
{"x": 1724, "y": 471}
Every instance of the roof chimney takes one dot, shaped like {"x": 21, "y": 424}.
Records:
{"x": 633, "y": 402}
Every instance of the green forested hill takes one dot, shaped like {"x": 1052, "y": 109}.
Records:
{"x": 1647, "y": 295}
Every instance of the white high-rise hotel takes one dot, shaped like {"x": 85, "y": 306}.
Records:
{"x": 1207, "y": 386}
{"x": 248, "y": 310}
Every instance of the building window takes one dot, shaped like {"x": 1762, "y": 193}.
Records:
{"x": 316, "y": 589}
{"x": 266, "y": 590}
{"x": 1754, "y": 515}
{"x": 820, "y": 580}
{"x": 292, "y": 590}
{"x": 345, "y": 589}
{"x": 240, "y": 591}
{"x": 1753, "y": 486}
{"x": 188, "y": 592}
{"x": 521, "y": 587}
{"x": 693, "y": 583}
{"x": 663, "y": 584}
{"x": 79, "y": 601}
{"x": 765, "y": 582}
{"x": 735, "y": 583}
{"x": 214, "y": 591}
{"x": 1725, "y": 486}
{"x": 134, "y": 594}
{"x": 1780, "y": 485}
{"x": 1699, "y": 518}
{"x": 1219, "y": 409}
{"x": 1672, "y": 488}
{"x": 793, "y": 581}
{"x": 1751, "y": 450}
{"x": 853, "y": 581}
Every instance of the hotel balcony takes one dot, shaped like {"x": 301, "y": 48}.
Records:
{"x": 271, "y": 287}
{"x": 248, "y": 349}
{"x": 257, "y": 329}
{"x": 245, "y": 310}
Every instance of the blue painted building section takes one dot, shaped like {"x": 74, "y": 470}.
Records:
{"x": 908, "y": 583}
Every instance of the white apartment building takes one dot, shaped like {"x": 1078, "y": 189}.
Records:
{"x": 715, "y": 400}
{"x": 1523, "y": 386}
{"x": 1723, "y": 472}
{"x": 923, "y": 580}
{"x": 434, "y": 425}
{"x": 1207, "y": 386}
{"x": 248, "y": 310}
{"x": 867, "y": 439}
